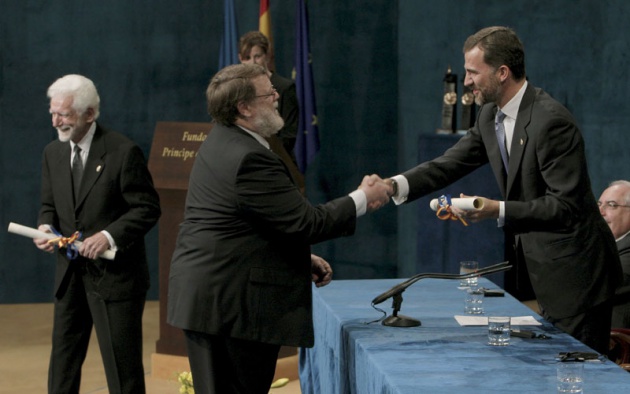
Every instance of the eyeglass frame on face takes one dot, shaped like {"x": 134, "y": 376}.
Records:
{"x": 273, "y": 93}
{"x": 612, "y": 205}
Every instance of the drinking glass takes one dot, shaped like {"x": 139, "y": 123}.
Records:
{"x": 473, "y": 303}
{"x": 467, "y": 267}
{"x": 498, "y": 330}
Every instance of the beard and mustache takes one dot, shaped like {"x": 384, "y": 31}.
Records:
{"x": 268, "y": 122}
{"x": 72, "y": 131}
{"x": 490, "y": 93}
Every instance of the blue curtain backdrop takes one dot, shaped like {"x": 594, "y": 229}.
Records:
{"x": 378, "y": 77}
{"x": 307, "y": 141}
{"x": 228, "y": 53}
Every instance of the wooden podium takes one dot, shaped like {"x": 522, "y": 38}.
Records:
{"x": 174, "y": 147}
{"x": 173, "y": 151}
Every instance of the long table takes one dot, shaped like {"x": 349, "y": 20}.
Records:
{"x": 354, "y": 354}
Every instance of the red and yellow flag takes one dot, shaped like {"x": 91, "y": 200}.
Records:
{"x": 264, "y": 26}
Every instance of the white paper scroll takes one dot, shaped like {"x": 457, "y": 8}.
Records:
{"x": 466, "y": 204}
{"x": 35, "y": 233}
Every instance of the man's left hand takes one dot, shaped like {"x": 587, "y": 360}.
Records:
{"x": 321, "y": 271}
{"x": 94, "y": 246}
{"x": 489, "y": 210}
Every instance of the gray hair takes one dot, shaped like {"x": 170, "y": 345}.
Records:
{"x": 626, "y": 196}
{"x": 82, "y": 91}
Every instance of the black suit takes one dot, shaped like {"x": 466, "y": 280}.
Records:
{"x": 621, "y": 310}
{"x": 241, "y": 268}
{"x": 116, "y": 195}
{"x": 549, "y": 206}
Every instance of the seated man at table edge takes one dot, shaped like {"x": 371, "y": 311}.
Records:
{"x": 614, "y": 205}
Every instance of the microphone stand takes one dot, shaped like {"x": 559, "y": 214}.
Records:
{"x": 396, "y": 320}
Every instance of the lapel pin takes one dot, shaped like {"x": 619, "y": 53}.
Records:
{"x": 98, "y": 169}
{"x": 521, "y": 141}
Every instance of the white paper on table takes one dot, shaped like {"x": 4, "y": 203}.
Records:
{"x": 35, "y": 233}
{"x": 466, "y": 204}
{"x": 483, "y": 320}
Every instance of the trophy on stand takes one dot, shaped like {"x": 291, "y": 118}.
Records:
{"x": 468, "y": 111}
{"x": 449, "y": 103}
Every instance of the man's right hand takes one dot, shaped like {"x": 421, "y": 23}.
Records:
{"x": 376, "y": 191}
{"x": 42, "y": 243}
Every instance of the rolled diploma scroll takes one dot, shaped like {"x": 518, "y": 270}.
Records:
{"x": 35, "y": 233}
{"x": 466, "y": 204}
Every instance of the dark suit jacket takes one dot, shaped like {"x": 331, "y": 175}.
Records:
{"x": 621, "y": 311}
{"x": 288, "y": 107}
{"x": 116, "y": 195}
{"x": 568, "y": 248}
{"x": 241, "y": 266}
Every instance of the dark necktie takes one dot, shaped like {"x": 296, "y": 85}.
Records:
{"x": 77, "y": 170}
{"x": 500, "y": 130}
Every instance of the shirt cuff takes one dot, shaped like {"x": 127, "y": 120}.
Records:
{"x": 501, "y": 219}
{"x": 403, "y": 189}
{"x": 112, "y": 244}
{"x": 360, "y": 201}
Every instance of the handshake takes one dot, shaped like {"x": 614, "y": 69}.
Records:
{"x": 377, "y": 191}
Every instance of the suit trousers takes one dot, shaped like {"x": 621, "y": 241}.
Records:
{"x": 224, "y": 365}
{"x": 591, "y": 327}
{"x": 118, "y": 326}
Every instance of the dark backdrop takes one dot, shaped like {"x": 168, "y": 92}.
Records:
{"x": 378, "y": 67}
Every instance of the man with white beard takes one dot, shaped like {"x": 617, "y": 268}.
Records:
{"x": 96, "y": 182}
{"x": 240, "y": 277}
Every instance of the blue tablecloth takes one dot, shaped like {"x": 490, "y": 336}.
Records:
{"x": 352, "y": 355}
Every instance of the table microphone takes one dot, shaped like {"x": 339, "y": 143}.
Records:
{"x": 396, "y": 320}
{"x": 399, "y": 288}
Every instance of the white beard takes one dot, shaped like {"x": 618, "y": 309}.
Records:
{"x": 268, "y": 123}
{"x": 66, "y": 133}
